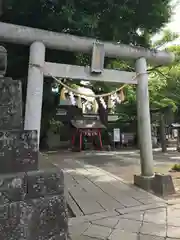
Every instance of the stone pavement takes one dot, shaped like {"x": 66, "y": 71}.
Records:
{"x": 152, "y": 222}
{"x": 108, "y": 208}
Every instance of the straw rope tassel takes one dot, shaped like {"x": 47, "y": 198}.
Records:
{"x": 110, "y": 104}
{"x": 79, "y": 102}
{"x": 62, "y": 95}
{"x": 121, "y": 95}
{"x": 95, "y": 106}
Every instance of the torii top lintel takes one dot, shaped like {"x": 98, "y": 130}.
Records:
{"x": 60, "y": 41}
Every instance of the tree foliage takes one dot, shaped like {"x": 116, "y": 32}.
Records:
{"x": 106, "y": 20}
{"x": 126, "y": 21}
{"x": 164, "y": 85}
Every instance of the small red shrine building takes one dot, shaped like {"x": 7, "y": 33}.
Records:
{"x": 89, "y": 129}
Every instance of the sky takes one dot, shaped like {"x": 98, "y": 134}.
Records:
{"x": 174, "y": 24}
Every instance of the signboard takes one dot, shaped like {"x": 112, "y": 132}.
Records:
{"x": 116, "y": 135}
{"x": 112, "y": 118}
{"x": 98, "y": 53}
{"x": 89, "y": 133}
{"x": 61, "y": 112}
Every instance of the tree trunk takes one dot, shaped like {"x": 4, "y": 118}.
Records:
{"x": 163, "y": 133}
{"x": 1, "y": 7}
{"x": 178, "y": 140}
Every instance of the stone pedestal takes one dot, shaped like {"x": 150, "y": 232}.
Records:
{"x": 159, "y": 184}
{"x": 32, "y": 202}
{"x": 143, "y": 182}
{"x": 163, "y": 185}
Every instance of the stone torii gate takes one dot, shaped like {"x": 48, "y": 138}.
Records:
{"x": 39, "y": 40}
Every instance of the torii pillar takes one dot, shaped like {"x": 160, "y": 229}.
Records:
{"x": 35, "y": 83}
{"x": 143, "y": 115}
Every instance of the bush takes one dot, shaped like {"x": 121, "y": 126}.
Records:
{"x": 176, "y": 167}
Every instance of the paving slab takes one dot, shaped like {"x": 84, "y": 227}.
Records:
{"x": 138, "y": 216}
{"x": 99, "y": 232}
{"x": 116, "y": 194}
{"x": 72, "y": 204}
{"x": 88, "y": 204}
{"x": 153, "y": 229}
{"x": 172, "y": 238}
{"x": 173, "y": 232}
{"x": 78, "y": 229}
{"x": 173, "y": 221}
{"x": 142, "y": 207}
{"x": 82, "y": 237}
{"x": 158, "y": 216}
{"x": 118, "y": 234}
{"x": 107, "y": 222}
{"x": 128, "y": 225}
{"x": 151, "y": 199}
{"x": 150, "y": 237}
{"x": 93, "y": 217}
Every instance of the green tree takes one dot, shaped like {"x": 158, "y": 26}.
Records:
{"x": 130, "y": 22}
{"x": 164, "y": 83}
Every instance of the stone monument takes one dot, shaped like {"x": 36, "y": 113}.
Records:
{"x": 32, "y": 202}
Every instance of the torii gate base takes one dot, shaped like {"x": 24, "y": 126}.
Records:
{"x": 40, "y": 39}
{"x": 161, "y": 185}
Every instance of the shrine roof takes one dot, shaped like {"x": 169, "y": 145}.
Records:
{"x": 87, "y": 124}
